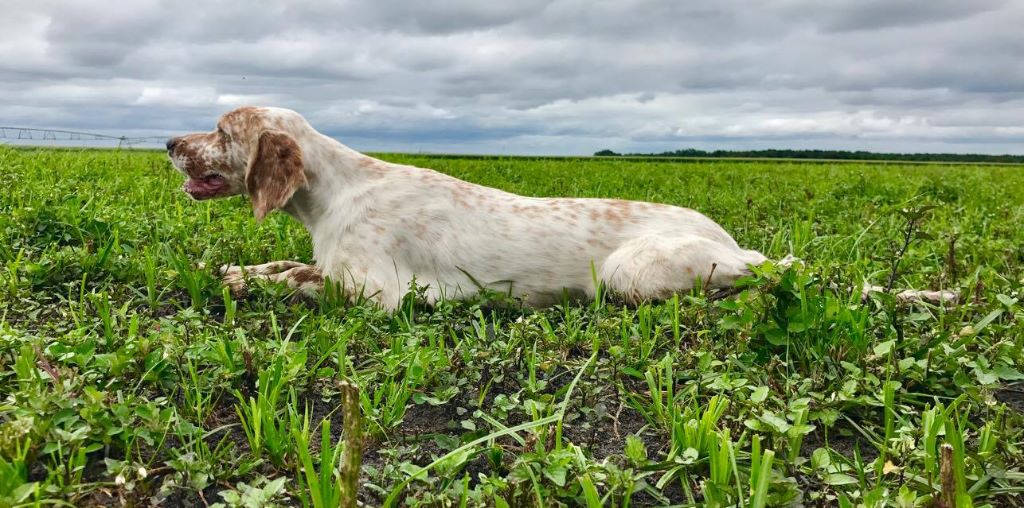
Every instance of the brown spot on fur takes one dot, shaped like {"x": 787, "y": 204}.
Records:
{"x": 306, "y": 274}
{"x": 188, "y": 149}
{"x": 612, "y": 216}
{"x": 617, "y": 212}
{"x": 241, "y": 112}
{"x": 243, "y": 121}
{"x": 276, "y": 172}
{"x": 430, "y": 176}
{"x": 459, "y": 199}
{"x": 372, "y": 165}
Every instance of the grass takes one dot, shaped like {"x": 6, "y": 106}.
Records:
{"x": 129, "y": 376}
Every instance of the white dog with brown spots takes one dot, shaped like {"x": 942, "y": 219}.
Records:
{"x": 377, "y": 227}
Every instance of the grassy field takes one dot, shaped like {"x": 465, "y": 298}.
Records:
{"x": 128, "y": 376}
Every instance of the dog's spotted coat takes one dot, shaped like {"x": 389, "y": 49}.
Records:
{"x": 377, "y": 226}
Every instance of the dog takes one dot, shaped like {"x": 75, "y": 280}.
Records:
{"x": 377, "y": 228}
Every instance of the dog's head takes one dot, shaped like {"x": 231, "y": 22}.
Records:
{"x": 252, "y": 151}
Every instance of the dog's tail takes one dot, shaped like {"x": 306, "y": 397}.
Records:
{"x": 935, "y": 297}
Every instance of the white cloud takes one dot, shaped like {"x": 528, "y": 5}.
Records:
{"x": 167, "y": 96}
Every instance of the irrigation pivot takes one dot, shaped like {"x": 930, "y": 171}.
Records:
{"x": 57, "y": 135}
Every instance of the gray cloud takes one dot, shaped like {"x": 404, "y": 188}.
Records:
{"x": 565, "y": 76}
{"x": 879, "y": 14}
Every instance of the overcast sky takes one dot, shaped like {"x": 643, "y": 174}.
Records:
{"x": 525, "y": 76}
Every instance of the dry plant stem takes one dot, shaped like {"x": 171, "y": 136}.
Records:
{"x": 908, "y": 237}
{"x": 44, "y": 364}
{"x": 947, "y": 499}
{"x": 353, "y": 453}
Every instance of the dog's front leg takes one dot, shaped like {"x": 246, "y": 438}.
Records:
{"x": 305, "y": 278}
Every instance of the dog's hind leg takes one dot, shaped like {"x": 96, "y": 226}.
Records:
{"x": 654, "y": 268}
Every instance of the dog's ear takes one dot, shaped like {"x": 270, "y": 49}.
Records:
{"x": 275, "y": 172}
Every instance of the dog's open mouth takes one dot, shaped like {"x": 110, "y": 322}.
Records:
{"x": 205, "y": 187}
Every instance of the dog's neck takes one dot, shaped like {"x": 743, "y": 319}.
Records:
{"x": 335, "y": 198}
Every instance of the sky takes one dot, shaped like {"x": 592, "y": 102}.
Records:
{"x": 561, "y": 77}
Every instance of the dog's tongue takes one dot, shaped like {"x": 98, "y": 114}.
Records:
{"x": 204, "y": 187}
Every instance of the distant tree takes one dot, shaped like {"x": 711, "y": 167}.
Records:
{"x": 606, "y": 153}
{"x": 828, "y": 154}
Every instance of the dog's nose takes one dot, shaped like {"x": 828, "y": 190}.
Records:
{"x": 171, "y": 143}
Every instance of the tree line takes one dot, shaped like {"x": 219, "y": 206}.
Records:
{"x": 824, "y": 154}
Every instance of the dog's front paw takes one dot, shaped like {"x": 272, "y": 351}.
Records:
{"x": 234, "y": 278}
